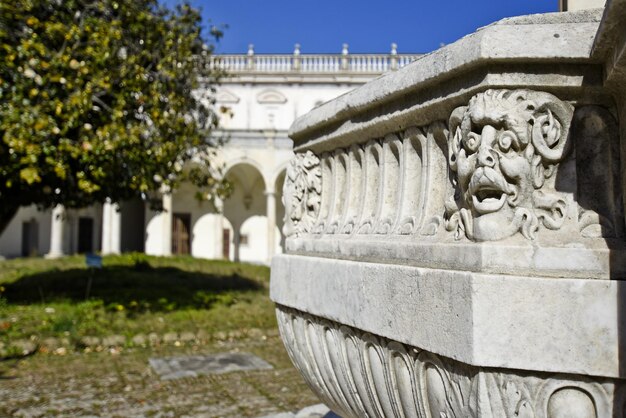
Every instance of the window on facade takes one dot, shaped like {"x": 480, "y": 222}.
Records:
{"x": 243, "y": 240}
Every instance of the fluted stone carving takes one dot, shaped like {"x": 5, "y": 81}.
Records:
{"x": 359, "y": 374}
{"x": 381, "y": 187}
{"x": 495, "y": 170}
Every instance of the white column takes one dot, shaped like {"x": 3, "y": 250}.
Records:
{"x": 167, "y": 216}
{"x": 236, "y": 242}
{"x": 393, "y": 59}
{"x": 344, "y": 57}
{"x": 111, "y": 228}
{"x": 106, "y": 227}
{"x": 271, "y": 223}
{"x": 219, "y": 229}
{"x": 250, "y": 59}
{"x": 56, "y": 232}
{"x": 116, "y": 229}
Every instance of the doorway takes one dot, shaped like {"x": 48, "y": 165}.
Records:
{"x": 181, "y": 238}
{"x": 85, "y": 234}
{"x": 226, "y": 244}
{"x": 30, "y": 238}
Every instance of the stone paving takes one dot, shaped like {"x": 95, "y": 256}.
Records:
{"x": 313, "y": 411}
{"x": 121, "y": 383}
{"x": 192, "y": 366}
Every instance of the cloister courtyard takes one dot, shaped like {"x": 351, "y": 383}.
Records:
{"x": 72, "y": 344}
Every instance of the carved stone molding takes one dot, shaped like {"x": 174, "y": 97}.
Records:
{"x": 512, "y": 163}
{"x": 469, "y": 238}
{"x": 359, "y": 374}
{"x": 382, "y": 187}
{"x": 301, "y": 193}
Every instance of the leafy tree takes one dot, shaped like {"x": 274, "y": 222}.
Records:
{"x": 97, "y": 101}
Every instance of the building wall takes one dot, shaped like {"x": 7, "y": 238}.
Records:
{"x": 254, "y": 117}
{"x": 205, "y": 224}
{"x": 263, "y": 106}
{"x": 573, "y": 5}
{"x": 256, "y": 109}
{"x": 12, "y": 239}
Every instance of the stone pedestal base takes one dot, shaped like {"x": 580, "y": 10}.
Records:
{"x": 359, "y": 374}
{"x": 52, "y": 256}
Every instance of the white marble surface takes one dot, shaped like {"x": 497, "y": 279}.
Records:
{"x": 564, "y": 38}
{"x": 464, "y": 254}
{"x": 516, "y": 322}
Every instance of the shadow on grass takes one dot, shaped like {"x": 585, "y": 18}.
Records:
{"x": 144, "y": 287}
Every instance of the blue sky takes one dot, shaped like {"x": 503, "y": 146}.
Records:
{"x": 274, "y": 26}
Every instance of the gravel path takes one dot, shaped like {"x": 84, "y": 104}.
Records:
{"x": 120, "y": 383}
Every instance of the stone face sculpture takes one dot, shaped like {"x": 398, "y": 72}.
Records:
{"x": 504, "y": 149}
{"x": 455, "y": 230}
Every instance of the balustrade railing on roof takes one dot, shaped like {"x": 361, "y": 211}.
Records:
{"x": 311, "y": 63}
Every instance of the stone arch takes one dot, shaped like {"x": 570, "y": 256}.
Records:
{"x": 247, "y": 200}
{"x": 276, "y": 175}
{"x": 247, "y": 174}
{"x": 227, "y": 247}
{"x": 195, "y": 220}
{"x": 231, "y": 163}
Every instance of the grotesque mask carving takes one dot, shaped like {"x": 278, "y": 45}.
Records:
{"x": 504, "y": 149}
{"x": 302, "y": 193}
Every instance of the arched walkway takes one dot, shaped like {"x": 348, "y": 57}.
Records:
{"x": 195, "y": 223}
{"x": 253, "y": 231}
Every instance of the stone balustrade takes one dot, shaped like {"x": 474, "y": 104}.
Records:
{"x": 455, "y": 230}
{"x": 312, "y": 63}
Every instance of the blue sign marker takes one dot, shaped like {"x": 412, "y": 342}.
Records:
{"x": 93, "y": 260}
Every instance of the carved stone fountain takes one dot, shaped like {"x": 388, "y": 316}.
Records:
{"x": 456, "y": 242}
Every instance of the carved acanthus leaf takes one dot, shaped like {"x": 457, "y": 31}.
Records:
{"x": 302, "y": 193}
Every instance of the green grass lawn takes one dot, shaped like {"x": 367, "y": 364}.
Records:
{"x": 132, "y": 294}
{"x": 136, "y": 294}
